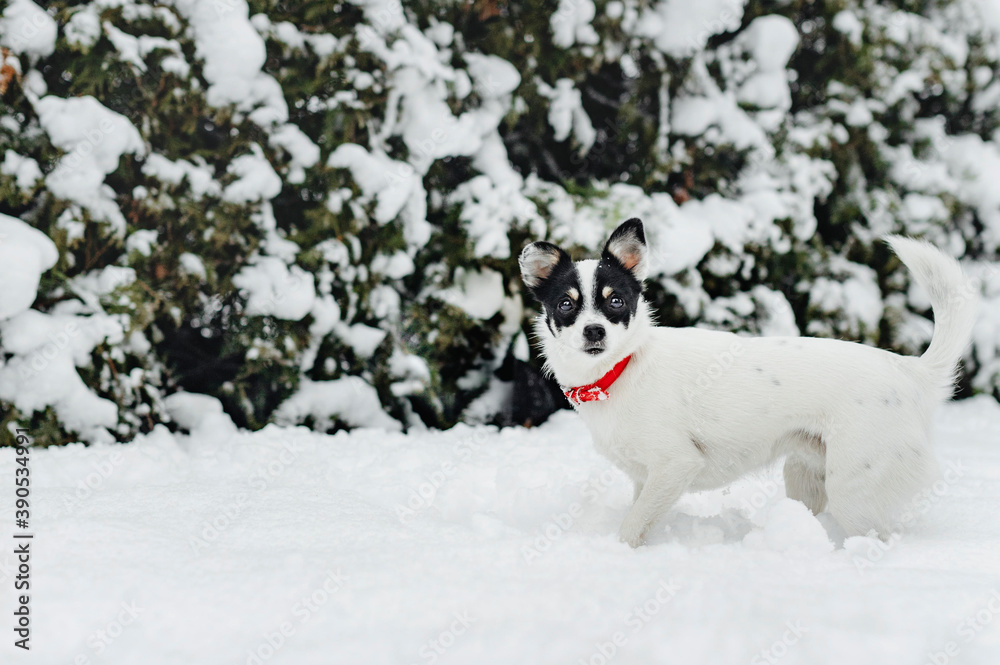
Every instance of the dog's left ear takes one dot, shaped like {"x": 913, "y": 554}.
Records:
{"x": 538, "y": 260}
{"x": 628, "y": 246}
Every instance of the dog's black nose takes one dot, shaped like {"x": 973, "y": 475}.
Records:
{"x": 593, "y": 333}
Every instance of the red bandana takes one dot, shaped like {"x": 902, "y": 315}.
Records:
{"x": 597, "y": 391}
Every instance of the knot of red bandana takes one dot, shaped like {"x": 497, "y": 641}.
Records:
{"x": 597, "y": 391}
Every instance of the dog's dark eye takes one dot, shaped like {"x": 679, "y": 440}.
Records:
{"x": 565, "y": 305}
{"x": 616, "y": 302}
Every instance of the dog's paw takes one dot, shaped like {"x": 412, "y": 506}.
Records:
{"x": 632, "y": 536}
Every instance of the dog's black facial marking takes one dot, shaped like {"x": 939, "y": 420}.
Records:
{"x": 560, "y": 296}
{"x": 553, "y": 279}
{"x": 616, "y": 290}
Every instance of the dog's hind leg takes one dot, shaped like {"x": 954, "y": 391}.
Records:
{"x": 805, "y": 482}
{"x": 877, "y": 489}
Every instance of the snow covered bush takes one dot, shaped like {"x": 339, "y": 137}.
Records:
{"x": 312, "y": 210}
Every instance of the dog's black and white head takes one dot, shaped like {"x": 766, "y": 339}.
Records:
{"x": 593, "y": 311}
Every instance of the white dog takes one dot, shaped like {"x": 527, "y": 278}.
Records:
{"x": 688, "y": 409}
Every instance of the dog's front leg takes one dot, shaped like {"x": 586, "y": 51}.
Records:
{"x": 663, "y": 486}
{"x": 635, "y": 471}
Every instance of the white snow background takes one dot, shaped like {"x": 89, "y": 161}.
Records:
{"x": 478, "y": 545}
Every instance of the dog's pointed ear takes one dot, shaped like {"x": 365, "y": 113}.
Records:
{"x": 628, "y": 245}
{"x": 537, "y": 262}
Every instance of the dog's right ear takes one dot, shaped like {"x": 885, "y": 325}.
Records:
{"x": 537, "y": 262}
{"x": 627, "y": 245}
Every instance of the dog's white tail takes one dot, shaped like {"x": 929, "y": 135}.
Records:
{"x": 953, "y": 299}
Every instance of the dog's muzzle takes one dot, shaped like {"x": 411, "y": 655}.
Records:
{"x": 594, "y": 336}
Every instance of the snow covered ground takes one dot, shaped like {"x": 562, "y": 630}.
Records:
{"x": 286, "y": 546}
